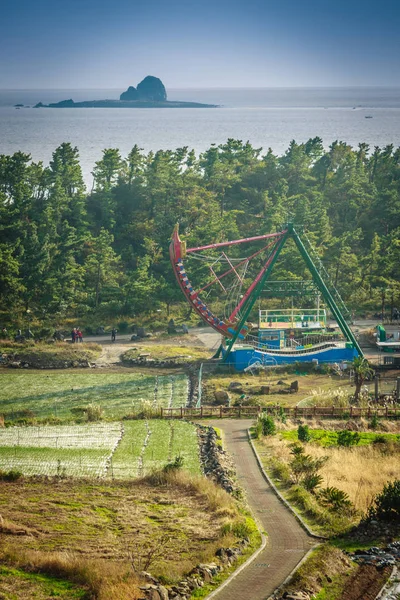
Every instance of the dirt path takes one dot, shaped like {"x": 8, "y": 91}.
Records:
{"x": 287, "y": 541}
{"x": 111, "y": 354}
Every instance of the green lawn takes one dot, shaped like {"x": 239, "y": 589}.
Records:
{"x": 29, "y": 394}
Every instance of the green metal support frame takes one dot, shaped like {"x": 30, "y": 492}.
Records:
{"x": 252, "y": 300}
{"x": 345, "y": 329}
{"x": 291, "y": 232}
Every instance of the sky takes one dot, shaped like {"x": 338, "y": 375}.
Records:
{"x": 207, "y": 43}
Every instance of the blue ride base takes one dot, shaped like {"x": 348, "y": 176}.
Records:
{"x": 242, "y": 357}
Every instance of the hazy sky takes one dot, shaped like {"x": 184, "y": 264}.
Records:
{"x": 207, "y": 43}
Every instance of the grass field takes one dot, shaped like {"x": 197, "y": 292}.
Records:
{"x": 168, "y": 351}
{"x": 118, "y": 450}
{"x": 17, "y": 584}
{"x": 91, "y": 531}
{"x": 311, "y": 385}
{"x": 29, "y": 394}
{"x": 359, "y": 471}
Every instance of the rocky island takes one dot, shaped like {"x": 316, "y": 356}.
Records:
{"x": 149, "y": 93}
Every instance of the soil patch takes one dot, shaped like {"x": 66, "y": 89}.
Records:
{"x": 365, "y": 583}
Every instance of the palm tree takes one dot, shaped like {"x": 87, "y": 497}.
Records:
{"x": 362, "y": 371}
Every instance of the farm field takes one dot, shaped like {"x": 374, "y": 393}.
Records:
{"x": 63, "y": 394}
{"x": 148, "y": 445}
{"x": 125, "y": 450}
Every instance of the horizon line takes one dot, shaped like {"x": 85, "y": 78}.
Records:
{"x": 273, "y": 87}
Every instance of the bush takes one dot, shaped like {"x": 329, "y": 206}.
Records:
{"x": 334, "y": 499}
{"x": 123, "y": 326}
{"x": 380, "y": 439}
{"x": 386, "y": 505}
{"x": 175, "y": 465}
{"x": 347, "y": 438}
{"x": 94, "y": 412}
{"x": 374, "y": 422}
{"x": 12, "y": 475}
{"x": 267, "y": 425}
{"x": 312, "y": 481}
{"x": 303, "y": 433}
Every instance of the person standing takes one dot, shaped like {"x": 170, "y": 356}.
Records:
{"x": 113, "y": 334}
{"x": 73, "y": 335}
{"x": 80, "y": 335}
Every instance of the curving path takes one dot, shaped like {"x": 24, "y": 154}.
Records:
{"x": 287, "y": 541}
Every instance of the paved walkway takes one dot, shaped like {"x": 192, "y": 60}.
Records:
{"x": 287, "y": 541}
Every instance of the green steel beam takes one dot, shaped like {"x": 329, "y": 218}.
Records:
{"x": 257, "y": 291}
{"x": 325, "y": 291}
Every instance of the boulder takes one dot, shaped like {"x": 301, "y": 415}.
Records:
{"x": 265, "y": 390}
{"x": 235, "y": 386}
{"x": 294, "y": 386}
{"x": 221, "y": 397}
{"x": 163, "y": 592}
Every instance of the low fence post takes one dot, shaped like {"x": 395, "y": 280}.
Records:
{"x": 181, "y": 412}
{"x": 201, "y": 411}
{"x": 376, "y": 387}
{"x": 162, "y": 412}
{"x": 220, "y": 412}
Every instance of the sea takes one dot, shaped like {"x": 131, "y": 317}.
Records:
{"x": 266, "y": 117}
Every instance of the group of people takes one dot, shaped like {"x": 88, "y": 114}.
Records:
{"x": 76, "y": 335}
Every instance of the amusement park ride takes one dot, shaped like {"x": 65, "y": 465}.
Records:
{"x": 282, "y": 335}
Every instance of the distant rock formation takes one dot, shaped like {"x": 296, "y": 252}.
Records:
{"x": 151, "y": 89}
{"x": 130, "y": 94}
{"x": 150, "y": 93}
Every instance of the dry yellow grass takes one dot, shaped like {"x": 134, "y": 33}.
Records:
{"x": 361, "y": 472}
{"x": 103, "y": 579}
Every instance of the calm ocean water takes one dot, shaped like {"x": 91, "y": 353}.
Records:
{"x": 265, "y": 117}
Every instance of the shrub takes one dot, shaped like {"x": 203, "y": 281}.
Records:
{"x": 334, "y": 499}
{"x": 386, "y": 505}
{"x": 175, "y": 465}
{"x": 258, "y": 429}
{"x": 374, "y": 422}
{"x": 380, "y": 439}
{"x": 267, "y": 425}
{"x": 94, "y": 412}
{"x": 123, "y": 326}
{"x": 312, "y": 481}
{"x": 303, "y": 433}
{"x": 347, "y": 438}
{"x": 12, "y": 475}
{"x": 282, "y": 415}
